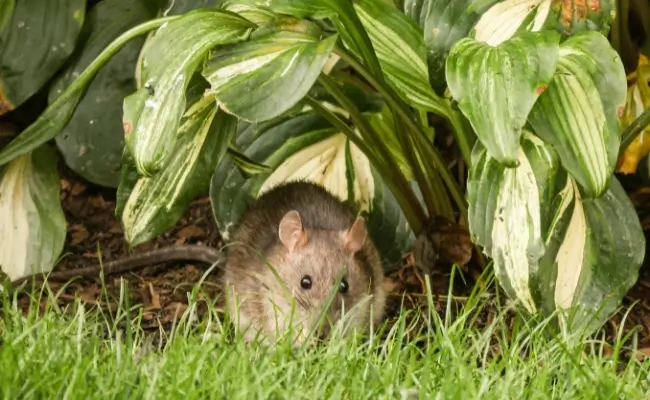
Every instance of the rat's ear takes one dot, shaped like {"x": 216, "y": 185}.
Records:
{"x": 291, "y": 232}
{"x": 355, "y": 237}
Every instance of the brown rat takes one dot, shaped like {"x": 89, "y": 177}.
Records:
{"x": 309, "y": 237}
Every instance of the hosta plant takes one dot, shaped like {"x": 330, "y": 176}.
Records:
{"x": 237, "y": 97}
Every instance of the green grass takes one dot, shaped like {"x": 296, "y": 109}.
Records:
{"x": 78, "y": 354}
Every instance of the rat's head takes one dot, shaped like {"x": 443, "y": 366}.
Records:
{"x": 321, "y": 267}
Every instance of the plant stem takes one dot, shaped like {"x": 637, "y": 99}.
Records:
{"x": 392, "y": 99}
{"x": 401, "y": 183}
{"x": 58, "y": 113}
{"x": 385, "y": 171}
{"x": 464, "y": 135}
{"x": 428, "y": 192}
{"x": 634, "y": 129}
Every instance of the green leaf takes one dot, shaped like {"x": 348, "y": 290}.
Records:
{"x": 179, "y": 7}
{"x": 56, "y": 115}
{"x": 258, "y": 15}
{"x": 506, "y": 18}
{"x": 594, "y": 251}
{"x": 366, "y": 101}
{"x": 33, "y": 229}
{"x": 444, "y": 22}
{"x": 27, "y": 60}
{"x": 156, "y": 203}
{"x": 315, "y": 9}
{"x": 152, "y": 114}
{"x": 578, "y": 113}
{"x": 400, "y": 48}
{"x": 262, "y": 78}
{"x": 308, "y": 147}
{"x": 507, "y": 209}
{"x": 6, "y": 11}
{"x": 246, "y": 166}
{"x": 384, "y": 125}
{"x": 93, "y": 140}
{"x": 497, "y": 86}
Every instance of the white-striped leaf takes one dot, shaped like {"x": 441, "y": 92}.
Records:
{"x": 306, "y": 146}
{"x": 266, "y": 76}
{"x": 507, "y": 208}
{"x": 444, "y": 22}
{"x": 152, "y": 114}
{"x": 506, "y": 18}
{"x": 150, "y": 205}
{"x": 399, "y": 44}
{"x": 496, "y": 87}
{"x": 33, "y": 227}
{"x": 578, "y": 113}
{"x": 594, "y": 251}
{"x": 316, "y": 9}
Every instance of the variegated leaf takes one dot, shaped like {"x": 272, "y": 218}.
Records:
{"x": 507, "y": 209}
{"x": 33, "y": 227}
{"x": 399, "y": 44}
{"x": 151, "y": 205}
{"x": 594, "y": 251}
{"x": 578, "y": 113}
{"x": 266, "y": 76}
{"x": 504, "y": 19}
{"x": 496, "y": 87}
{"x": 152, "y": 114}
{"x": 306, "y": 146}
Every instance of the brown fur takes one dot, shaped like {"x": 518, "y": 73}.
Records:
{"x": 320, "y": 253}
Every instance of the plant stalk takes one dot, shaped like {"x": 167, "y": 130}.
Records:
{"x": 385, "y": 171}
{"x": 633, "y": 130}
{"x": 366, "y": 130}
{"x": 429, "y": 150}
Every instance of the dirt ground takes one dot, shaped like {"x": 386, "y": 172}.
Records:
{"x": 162, "y": 291}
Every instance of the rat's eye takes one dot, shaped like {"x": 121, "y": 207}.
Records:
{"x": 343, "y": 287}
{"x": 305, "y": 282}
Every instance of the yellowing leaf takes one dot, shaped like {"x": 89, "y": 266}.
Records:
{"x": 638, "y": 100}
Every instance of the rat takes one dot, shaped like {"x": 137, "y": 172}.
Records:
{"x": 310, "y": 238}
{"x": 204, "y": 254}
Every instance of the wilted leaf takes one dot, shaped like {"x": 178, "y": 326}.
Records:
{"x": 496, "y": 87}
{"x": 152, "y": 114}
{"x": 508, "y": 210}
{"x": 33, "y": 226}
{"x": 155, "y": 204}
{"x": 638, "y": 100}
{"x": 266, "y": 76}
{"x": 308, "y": 147}
{"x": 93, "y": 140}
{"x": 444, "y": 22}
{"x": 578, "y": 113}
{"x": 38, "y": 40}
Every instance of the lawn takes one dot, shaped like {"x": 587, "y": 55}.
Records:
{"x": 86, "y": 353}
